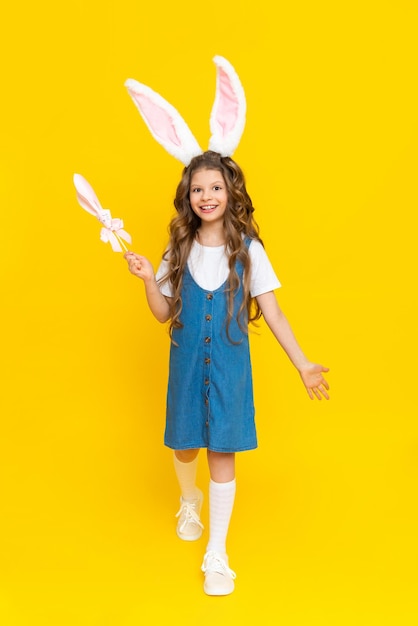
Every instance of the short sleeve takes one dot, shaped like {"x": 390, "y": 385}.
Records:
{"x": 263, "y": 276}
{"x": 165, "y": 288}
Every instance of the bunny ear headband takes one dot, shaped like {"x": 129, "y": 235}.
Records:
{"x": 166, "y": 125}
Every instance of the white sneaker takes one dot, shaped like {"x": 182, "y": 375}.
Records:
{"x": 219, "y": 578}
{"x": 189, "y": 526}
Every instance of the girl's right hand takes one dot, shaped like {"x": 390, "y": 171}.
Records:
{"x": 139, "y": 266}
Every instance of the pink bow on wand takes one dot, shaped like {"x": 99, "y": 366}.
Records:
{"x": 112, "y": 229}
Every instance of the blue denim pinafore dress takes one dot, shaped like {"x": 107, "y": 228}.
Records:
{"x": 210, "y": 391}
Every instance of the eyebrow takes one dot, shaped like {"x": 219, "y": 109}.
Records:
{"x": 215, "y": 182}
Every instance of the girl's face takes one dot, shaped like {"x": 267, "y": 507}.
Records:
{"x": 208, "y": 195}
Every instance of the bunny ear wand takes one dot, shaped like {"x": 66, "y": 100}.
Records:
{"x": 112, "y": 229}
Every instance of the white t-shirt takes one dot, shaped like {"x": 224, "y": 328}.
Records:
{"x": 209, "y": 268}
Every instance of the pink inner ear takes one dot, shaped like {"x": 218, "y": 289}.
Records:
{"x": 158, "y": 120}
{"x": 227, "y": 110}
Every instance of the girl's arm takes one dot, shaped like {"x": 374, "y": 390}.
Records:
{"x": 140, "y": 266}
{"x": 311, "y": 373}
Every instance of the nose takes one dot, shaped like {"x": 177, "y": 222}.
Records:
{"x": 207, "y": 194}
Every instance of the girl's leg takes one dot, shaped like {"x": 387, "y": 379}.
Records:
{"x": 189, "y": 526}
{"x": 221, "y": 466}
{"x": 219, "y": 579}
{"x": 185, "y": 465}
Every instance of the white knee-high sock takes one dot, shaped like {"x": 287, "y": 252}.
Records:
{"x": 221, "y": 503}
{"x": 186, "y": 476}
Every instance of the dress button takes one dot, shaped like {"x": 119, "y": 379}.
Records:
{"x": 206, "y": 402}
{"x": 207, "y": 339}
{"x": 207, "y": 423}
{"x": 206, "y": 381}
{"x": 207, "y": 360}
{"x": 208, "y": 317}
{"x": 209, "y": 296}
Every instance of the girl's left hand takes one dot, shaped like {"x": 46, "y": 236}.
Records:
{"x": 315, "y": 383}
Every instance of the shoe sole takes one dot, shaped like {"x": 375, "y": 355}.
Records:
{"x": 218, "y": 592}
{"x": 189, "y": 537}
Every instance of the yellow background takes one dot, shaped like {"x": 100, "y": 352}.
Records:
{"x": 324, "y": 530}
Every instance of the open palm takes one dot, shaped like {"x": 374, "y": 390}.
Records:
{"x": 314, "y": 381}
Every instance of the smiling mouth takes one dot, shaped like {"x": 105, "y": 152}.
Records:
{"x": 208, "y": 207}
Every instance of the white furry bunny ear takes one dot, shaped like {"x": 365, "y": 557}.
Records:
{"x": 86, "y": 196}
{"x": 164, "y": 122}
{"x": 227, "y": 120}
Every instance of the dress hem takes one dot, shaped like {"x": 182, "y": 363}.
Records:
{"x": 213, "y": 449}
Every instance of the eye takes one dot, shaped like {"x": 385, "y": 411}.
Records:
{"x": 217, "y": 188}
{"x": 195, "y": 189}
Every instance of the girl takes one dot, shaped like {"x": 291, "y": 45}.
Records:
{"x": 213, "y": 280}
{"x": 215, "y": 277}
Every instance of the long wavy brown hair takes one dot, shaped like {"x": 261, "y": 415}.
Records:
{"x": 238, "y": 224}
